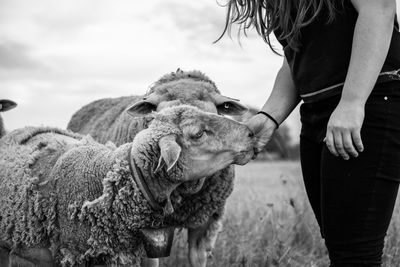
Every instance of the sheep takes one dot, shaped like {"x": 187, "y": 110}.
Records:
{"x": 107, "y": 120}
{"x": 5, "y": 105}
{"x": 67, "y": 199}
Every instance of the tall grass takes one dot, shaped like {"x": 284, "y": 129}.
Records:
{"x": 268, "y": 222}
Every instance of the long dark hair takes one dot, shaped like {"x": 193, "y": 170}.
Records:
{"x": 287, "y": 16}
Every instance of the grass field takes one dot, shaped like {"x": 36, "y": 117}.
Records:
{"x": 268, "y": 222}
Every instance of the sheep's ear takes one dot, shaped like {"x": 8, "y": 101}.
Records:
{"x": 7, "y": 104}
{"x": 169, "y": 152}
{"x": 144, "y": 106}
{"x": 229, "y": 106}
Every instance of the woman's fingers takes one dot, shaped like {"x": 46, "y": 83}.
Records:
{"x": 348, "y": 144}
{"x": 344, "y": 144}
{"x": 338, "y": 139}
{"x": 263, "y": 128}
{"x": 334, "y": 143}
{"x": 356, "y": 136}
{"x": 262, "y": 141}
{"x": 330, "y": 143}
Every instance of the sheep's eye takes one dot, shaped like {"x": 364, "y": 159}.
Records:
{"x": 198, "y": 135}
{"x": 226, "y": 105}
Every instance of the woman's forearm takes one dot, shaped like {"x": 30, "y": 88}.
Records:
{"x": 371, "y": 40}
{"x": 284, "y": 97}
{"x": 280, "y": 104}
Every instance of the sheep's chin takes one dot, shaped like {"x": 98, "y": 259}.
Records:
{"x": 192, "y": 187}
{"x": 243, "y": 158}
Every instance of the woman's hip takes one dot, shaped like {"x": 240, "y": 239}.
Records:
{"x": 380, "y": 131}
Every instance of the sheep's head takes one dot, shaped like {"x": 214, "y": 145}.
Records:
{"x": 6, "y": 105}
{"x": 192, "y": 88}
{"x": 196, "y": 144}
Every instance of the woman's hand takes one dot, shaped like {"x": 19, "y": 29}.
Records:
{"x": 263, "y": 129}
{"x": 343, "y": 135}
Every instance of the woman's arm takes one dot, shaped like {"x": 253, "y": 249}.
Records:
{"x": 283, "y": 99}
{"x": 371, "y": 40}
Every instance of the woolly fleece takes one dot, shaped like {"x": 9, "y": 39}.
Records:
{"x": 73, "y": 195}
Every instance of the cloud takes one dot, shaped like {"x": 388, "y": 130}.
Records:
{"x": 16, "y": 56}
{"x": 198, "y": 21}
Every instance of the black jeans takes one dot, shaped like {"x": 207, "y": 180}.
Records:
{"x": 353, "y": 200}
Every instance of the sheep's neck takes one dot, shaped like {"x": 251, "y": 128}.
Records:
{"x": 157, "y": 186}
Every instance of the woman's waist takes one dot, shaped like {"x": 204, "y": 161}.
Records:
{"x": 322, "y": 108}
{"x": 316, "y": 95}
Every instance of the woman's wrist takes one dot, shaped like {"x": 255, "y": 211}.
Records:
{"x": 353, "y": 100}
{"x": 268, "y": 116}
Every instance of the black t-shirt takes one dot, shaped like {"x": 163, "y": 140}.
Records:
{"x": 319, "y": 66}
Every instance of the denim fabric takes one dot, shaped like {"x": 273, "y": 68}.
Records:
{"x": 353, "y": 200}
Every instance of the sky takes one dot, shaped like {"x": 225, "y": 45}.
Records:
{"x": 56, "y": 56}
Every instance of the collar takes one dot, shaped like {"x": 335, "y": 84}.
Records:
{"x": 141, "y": 182}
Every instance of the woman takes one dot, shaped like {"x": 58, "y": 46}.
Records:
{"x": 342, "y": 58}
